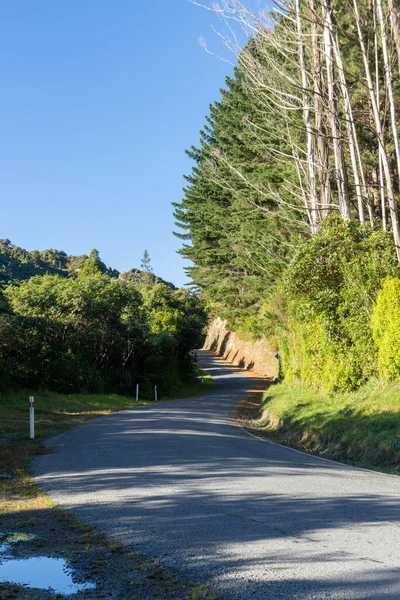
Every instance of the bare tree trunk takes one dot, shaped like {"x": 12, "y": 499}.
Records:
{"x": 308, "y": 124}
{"x": 378, "y": 126}
{"x": 395, "y": 24}
{"x": 381, "y": 181}
{"x": 340, "y": 165}
{"x": 389, "y": 86}
{"x": 382, "y": 190}
{"x": 351, "y": 130}
{"x": 322, "y": 149}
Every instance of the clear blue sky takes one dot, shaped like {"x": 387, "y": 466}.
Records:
{"x": 99, "y": 100}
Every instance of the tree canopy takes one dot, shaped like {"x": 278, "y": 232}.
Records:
{"x": 93, "y": 332}
{"x": 290, "y": 213}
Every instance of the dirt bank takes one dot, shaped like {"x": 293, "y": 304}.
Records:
{"x": 256, "y": 356}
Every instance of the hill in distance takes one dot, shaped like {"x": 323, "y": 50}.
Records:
{"x": 18, "y": 264}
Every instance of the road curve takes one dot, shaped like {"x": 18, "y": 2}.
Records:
{"x": 180, "y": 481}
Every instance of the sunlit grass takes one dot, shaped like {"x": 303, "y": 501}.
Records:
{"x": 360, "y": 427}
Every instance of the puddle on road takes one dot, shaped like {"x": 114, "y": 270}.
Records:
{"x": 38, "y": 572}
{"x": 41, "y": 572}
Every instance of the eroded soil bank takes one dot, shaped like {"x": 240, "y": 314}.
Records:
{"x": 255, "y": 356}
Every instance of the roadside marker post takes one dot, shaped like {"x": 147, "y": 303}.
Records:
{"x": 137, "y": 392}
{"x": 278, "y": 358}
{"x": 155, "y": 393}
{"x": 31, "y": 417}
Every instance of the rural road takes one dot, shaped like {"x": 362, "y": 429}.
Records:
{"x": 180, "y": 481}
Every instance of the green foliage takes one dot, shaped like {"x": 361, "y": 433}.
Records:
{"x": 95, "y": 333}
{"x": 138, "y": 277}
{"x": 93, "y": 265}
{"x": 17, "y": 264}
{"x": 243, "y": 224}
{"x": 332, "y": 286}
{"x": 146, "y": 262}
{"x": 241, "y": 237}
{"x": 385, "y": 323}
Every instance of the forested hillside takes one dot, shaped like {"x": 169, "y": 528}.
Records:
{"x": 18, "y": 264}
{"x": 290, "y": 214}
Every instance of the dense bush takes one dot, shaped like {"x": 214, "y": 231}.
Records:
{"x": 90, "y": 332}
{"x": 385, "y": 323}
{"x": 334, "y": 326}
{"x": 331, "y": 289}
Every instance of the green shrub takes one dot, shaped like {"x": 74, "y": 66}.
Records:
{"x": 331, "y": 289}
{"x": 385, "y": 323}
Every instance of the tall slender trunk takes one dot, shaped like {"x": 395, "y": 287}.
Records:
{"x": 389, "y": 85}
{"x": 337, "y": 140}
{"x": 382, "y": 190}
{"x": 322, "y": 149}
{"x": 395, "y": 25}
{"x": 381, "y": 181}
{"x": 378, "y": 126}
{"x": 351, "y": 130}
{"x": 308, "y": 123}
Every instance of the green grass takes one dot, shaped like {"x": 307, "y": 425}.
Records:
{"x": 360, "y": 427}
{"x": 53, "y": 406}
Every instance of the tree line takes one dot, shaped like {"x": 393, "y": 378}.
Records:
{"x": 91, "y": 332}
{"x": 290, "y": 214}
{"x": 18, "y": 264}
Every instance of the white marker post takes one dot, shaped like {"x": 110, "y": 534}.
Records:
{"x": 155, "y": 393}
{"x": 31, "y": 417}
{"x": 137, "y": 392}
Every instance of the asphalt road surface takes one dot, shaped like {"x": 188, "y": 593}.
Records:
{"x": 255, "y": 520}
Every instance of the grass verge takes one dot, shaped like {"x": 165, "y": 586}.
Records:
{"x": 119, "y": 572}
{"x": 360, "y": 427}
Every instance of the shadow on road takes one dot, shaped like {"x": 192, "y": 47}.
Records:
{"x": 182, "y": 482}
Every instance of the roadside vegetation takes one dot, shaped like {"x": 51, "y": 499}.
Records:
{"x": 290, "y": 216}
{"x": 94, "y": 333}
{"x": 360, "y": 427}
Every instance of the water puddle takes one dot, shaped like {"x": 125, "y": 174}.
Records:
{"x": 39, "y": 572}
{"x": 42, "y": 572}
